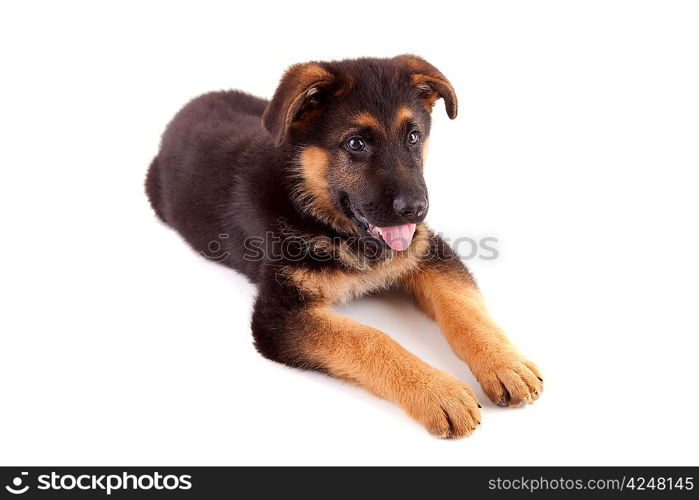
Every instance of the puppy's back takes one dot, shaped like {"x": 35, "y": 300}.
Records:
{"x": 203, "y": 152}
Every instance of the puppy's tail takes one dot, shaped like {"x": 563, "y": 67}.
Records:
{"x": 153, "y": 189}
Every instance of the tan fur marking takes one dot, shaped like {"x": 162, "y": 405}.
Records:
{"x": 425, "y": 148}
{"x": 454, "y": 302}
{"x": 366, "y": 119}
{"x": 404, "y": 113}
{"x": 369, "y": 358}
{"x": 314, "y": 194}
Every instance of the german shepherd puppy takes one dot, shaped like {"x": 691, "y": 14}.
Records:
{"x": 318, "y": 196}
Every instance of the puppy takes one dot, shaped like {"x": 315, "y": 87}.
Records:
{"x": 318, "y": 196}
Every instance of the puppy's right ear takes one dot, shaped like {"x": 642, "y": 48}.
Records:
{"x": 297, "y": 93}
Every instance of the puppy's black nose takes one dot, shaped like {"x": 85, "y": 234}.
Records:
{"x": 410, "y": 206}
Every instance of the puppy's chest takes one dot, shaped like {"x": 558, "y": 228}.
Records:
{"x": 339, "y": 285}
{"x": 350, "y": 272}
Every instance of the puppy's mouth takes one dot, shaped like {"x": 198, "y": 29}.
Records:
{"x": 397, "y": 238}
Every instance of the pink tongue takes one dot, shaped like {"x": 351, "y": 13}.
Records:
{"x": 397, "y": 237}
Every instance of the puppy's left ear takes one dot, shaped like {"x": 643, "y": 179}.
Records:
{"x": 431, "y": 83}
{"x": 298, "y": 92}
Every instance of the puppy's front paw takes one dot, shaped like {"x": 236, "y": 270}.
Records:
{"x": 446, "y": 407}
{"x": 510, "y": 380}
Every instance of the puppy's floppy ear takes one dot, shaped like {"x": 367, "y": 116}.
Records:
{"x": 298, "y": 91}
{"x": 431, "y": 83}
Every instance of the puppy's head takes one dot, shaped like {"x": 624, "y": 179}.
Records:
{"x": 358, "y": 130}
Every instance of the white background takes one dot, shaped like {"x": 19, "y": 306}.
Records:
{"x": 576, "y": 146}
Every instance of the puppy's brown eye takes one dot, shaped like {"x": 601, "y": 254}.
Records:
{"x": 355, "y": 144}
{"x": 413, "y": 137}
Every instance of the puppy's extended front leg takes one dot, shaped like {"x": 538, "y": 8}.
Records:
{"x": 444, "y": 289}
{"x": 315, "y": 337}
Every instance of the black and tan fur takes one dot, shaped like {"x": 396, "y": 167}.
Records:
{"x": 284, "y": 170}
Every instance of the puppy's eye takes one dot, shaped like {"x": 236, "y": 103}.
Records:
{"x": 355, "y": 144}
{"x": 413, "y": 137}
